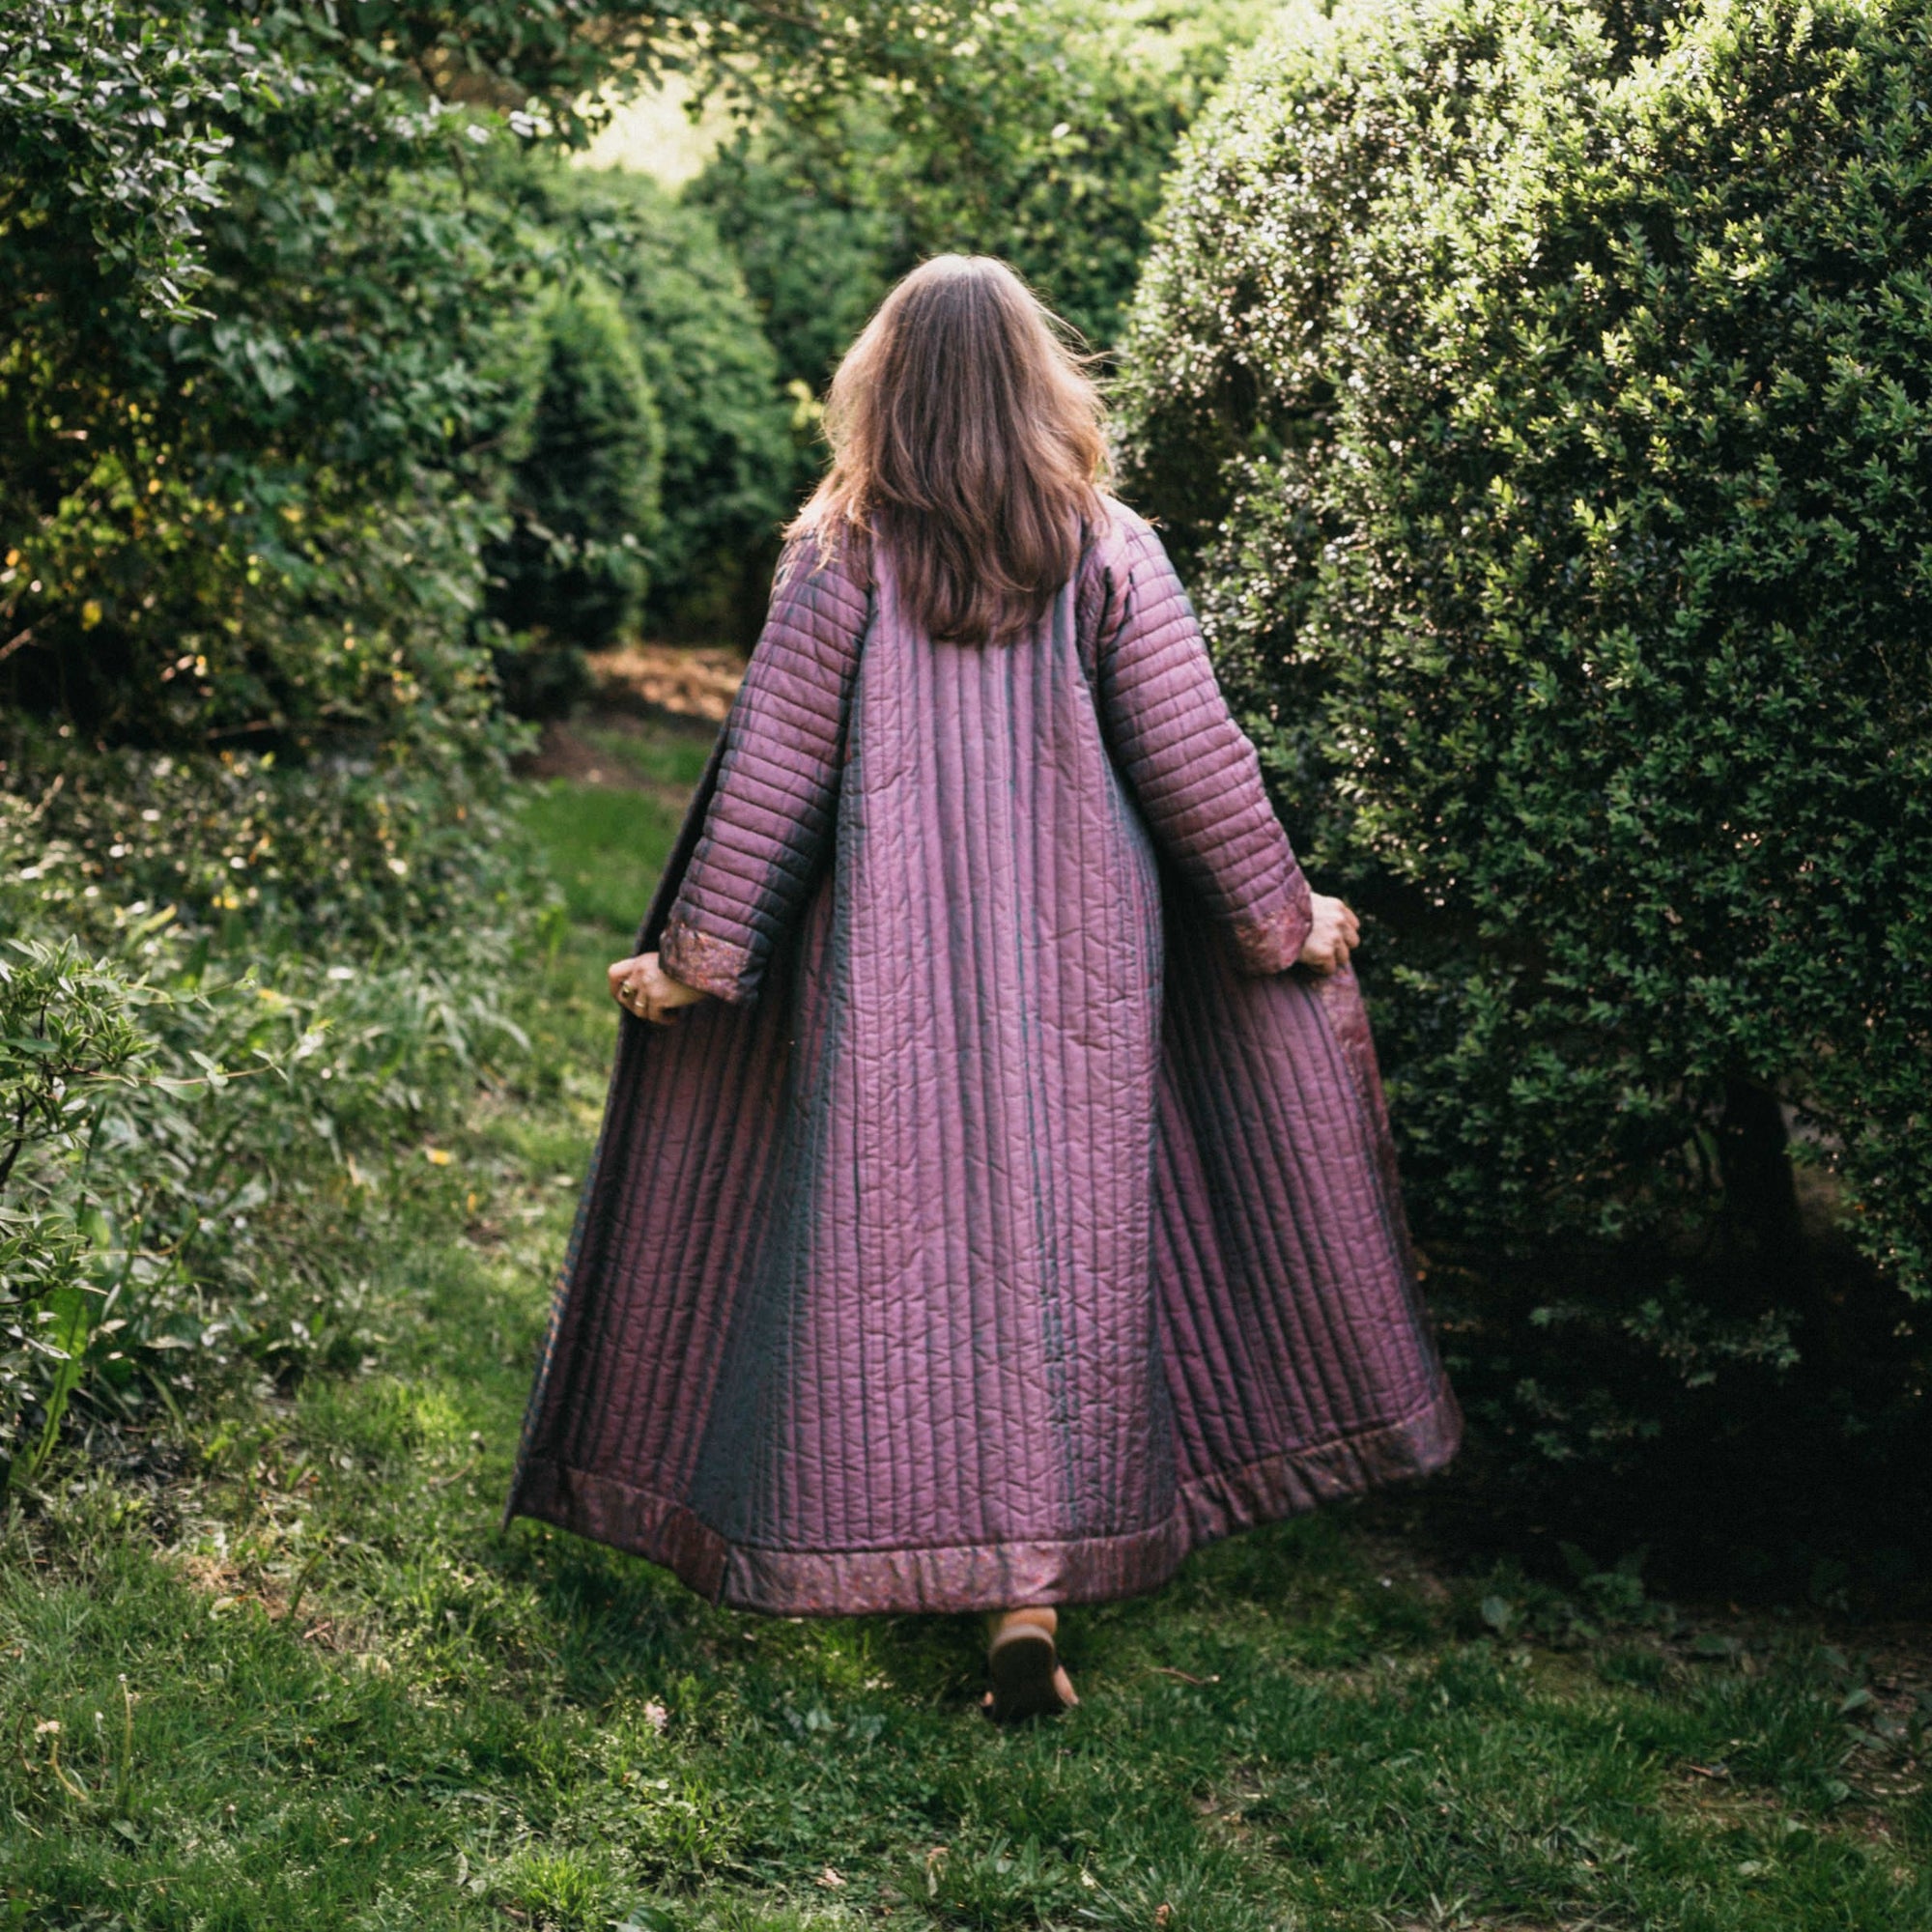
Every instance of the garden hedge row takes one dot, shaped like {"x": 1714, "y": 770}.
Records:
{"x": 1540, "y": 400}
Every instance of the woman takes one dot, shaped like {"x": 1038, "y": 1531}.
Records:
{"x": 994, "y": 1200}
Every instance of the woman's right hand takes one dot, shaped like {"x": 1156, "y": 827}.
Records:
{"x": 641, "y": 986}
{"x": 1333, "y": 936}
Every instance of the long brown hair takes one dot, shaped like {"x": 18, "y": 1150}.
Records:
{"x": 966, "y": 441}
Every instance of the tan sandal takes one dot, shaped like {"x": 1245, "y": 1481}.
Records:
{"x": 1023, "y": 1662}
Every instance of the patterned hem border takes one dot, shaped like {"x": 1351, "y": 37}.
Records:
{"x": 1273, "y": 944}
{"x": 963, "y": 1578}
{"x": 720, "y": 967}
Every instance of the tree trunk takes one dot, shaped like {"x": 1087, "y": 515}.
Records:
{"x": 1760, "y": 1193}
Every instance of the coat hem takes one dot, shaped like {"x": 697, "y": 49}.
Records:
{"x": 970, "y": 1577}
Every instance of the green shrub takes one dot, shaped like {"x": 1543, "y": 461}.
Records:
{"x": 261, "y": 358}
{"x": 731, "y": 469}
{"x": 180, "y": 1136}
{"x": 817, "y": 245}
{"x": 1040, "y": 133}
{"x": 258, "y": 362}
{"x": 1546, "y": 430}
{"x": 584, "y": 496}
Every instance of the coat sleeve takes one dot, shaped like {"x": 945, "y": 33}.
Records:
{"x": 778, "y": 783}
{"x": 1190, "y": 766}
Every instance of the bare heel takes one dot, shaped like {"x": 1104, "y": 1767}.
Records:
{"x": 1023, "y": 1662}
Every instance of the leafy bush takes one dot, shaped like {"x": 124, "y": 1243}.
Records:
{"x": 585, "y": 492}
{"x": 260, "y": 356}
{"x": 249, "y": 461}
{"x": 224, "y": 526}
{"x": 179, "y": 1138}
{"x": 1546, "y": 431}
{"x": 1040, "y": 133}
{"x": 816, "y": 247}
{"x": 731, "y": 469}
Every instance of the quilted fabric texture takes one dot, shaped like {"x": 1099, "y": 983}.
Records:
{"x": 1014, "y": 1219}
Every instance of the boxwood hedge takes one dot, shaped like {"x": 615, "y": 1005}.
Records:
{"x": 584, "y": 493}
{"x": 731, "y": 469}
{"x": 1540, "y": 400}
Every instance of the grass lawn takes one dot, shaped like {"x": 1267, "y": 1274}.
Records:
{"x": 289, "y": 1673}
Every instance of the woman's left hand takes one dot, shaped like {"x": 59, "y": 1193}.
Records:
{"x": 1332, "y": 935}
{"x": 641, "y": 986}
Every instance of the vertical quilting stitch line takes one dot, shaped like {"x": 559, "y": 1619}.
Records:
{"x": 1385, "y": 1199}
{"x": 802, "y": 1375}
{"x": 866, "y": 1262}
{"x": 974, "y": 891}
{"x": 751, "y": 1450}
{"x": 704, "y": 1164}
{"x": 819, "y": 1383}
{"x": 1141, "y": 940}
{"x": 1357, "y": 1344}
{"x": 1314, "y": 1264}
{"x": 996, "y": 775}
{"x": 635, "y": 1071}
{"x": 820, "y": 1375}
{"x": 656, "y": 1065}
{"x": 981, "y": 1487}
{"x": 1248, "y": 1143}
{"x": 1096, "y": 1198}
{"x": 1134, "y": 938}
{"x": 1272, "y": 1257}
{"x": 973, "y": 912}
{"x": 1154, "y": 952}
{"x": 1218, "y": 1128}
{"x": 999, "y": 1256}
{"x": 1318, "y": 1230}
{"x": 754, "y": 1174}
{"x": 1081, "y": 918}
{"x": 1196, "y": 1289}
{"x": 1122, "y": 1490}
{"x": 892, "y": 813}
{"x": 1242, "y": 1135}
{"x": 676, "y": 1176}
{"x": 938, "y": 875}
{"x": 911, "y": 691}
{"x": 1202, "y": 1437}
{"x": 908, "y": 691}
{"x": 1050, "y": 1065}
{"x": 1039, "y": 1157}
{"x": 1383, "y": 1359}
{"x": 675, "y": 1264}
{"x": 925, "y": 872}
{"x": 611, "y": 1362}
{"x": 746, "y": 1451}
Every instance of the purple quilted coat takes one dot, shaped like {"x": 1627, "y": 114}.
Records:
{"x": 1014, "y": 1219}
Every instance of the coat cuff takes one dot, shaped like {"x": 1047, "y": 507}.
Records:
{"x": 720, "y": 967}
{"x": 1272, "y": 944}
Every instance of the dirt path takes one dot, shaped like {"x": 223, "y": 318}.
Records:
{"x": 656, "y": 710}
